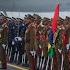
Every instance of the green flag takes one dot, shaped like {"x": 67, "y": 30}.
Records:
{"x": 51, "y": 52}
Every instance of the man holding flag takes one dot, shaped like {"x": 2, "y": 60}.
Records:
{"x": 52, "y": 36}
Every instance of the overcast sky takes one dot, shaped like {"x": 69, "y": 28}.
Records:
{"x": 33, "y": 5}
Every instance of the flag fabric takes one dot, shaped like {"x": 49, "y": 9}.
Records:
{"x": 51, "y": 52}
{"x": 55, "y": 18}
{"x": 49, "y": 46}
{"x": 50, "y": 36}
{"x": 51, "y": 49}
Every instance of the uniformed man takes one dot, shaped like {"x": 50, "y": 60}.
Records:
{"x": 5, "y": 33}
{"x": 11, "y": 35}
{"x": 58, "y": 44}
{"x": 38, "y": 48}
{"x": 66, "y": 38}
{"x": 46, "y": 22}
{"x": 2, "y": 52}
{"x": 29, "y": 35}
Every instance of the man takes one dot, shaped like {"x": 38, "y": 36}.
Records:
{"x": 38, "y": 48}
{"x": 44, "y": 41}
{"x": 58, "y": 45}
{"x": 5, "y": 33}
{"x": 11, "y": 35}
{"x": 2, "y": 53}
{"x": 66, "y": 42}
{"x": 3, "y": 57}
{"x": 30, "y": 33}
{"x": 29, "y": 44}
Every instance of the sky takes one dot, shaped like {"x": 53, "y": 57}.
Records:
{"x": 45, "y": 8}
{"x": 33, "y": 5}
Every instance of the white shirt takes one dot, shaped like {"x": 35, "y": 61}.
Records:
{"x": 18, "y": 39}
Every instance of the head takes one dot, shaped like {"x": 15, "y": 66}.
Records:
{"x": 46, "y": 21}
{"x": 28, "y": 19}
{"x": 60, "y": 23}
{"x": 37, "y": 19}
{"x": 67, "y": 22}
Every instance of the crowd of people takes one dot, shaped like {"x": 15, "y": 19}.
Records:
{"x": 27, "y": 42}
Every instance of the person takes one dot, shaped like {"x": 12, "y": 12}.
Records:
{"x": 58, "y": 45}
{"x": 29, "y": 33}
{"x": 11, "y": 35}
{"x": 46, "y": 23}
{"x": 18, "y": 45}
{"x": 3, "y": 58}
{"x": 66, "y": 41}
{"x": 28, "y": 20}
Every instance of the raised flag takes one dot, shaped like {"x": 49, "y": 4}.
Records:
{"x": 55, "y": 19}
{"x": 51, "y": 52}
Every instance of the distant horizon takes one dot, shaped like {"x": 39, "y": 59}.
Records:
{"x": 42, "y": 14}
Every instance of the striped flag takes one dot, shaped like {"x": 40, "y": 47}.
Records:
{"x": 55, "y": 18}
{"x": 51, "y": 51}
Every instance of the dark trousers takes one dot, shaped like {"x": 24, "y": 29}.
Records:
{"x": 12, "y": 53}
{"x": 19, "y": 49}
{"x": 3, "y": 57}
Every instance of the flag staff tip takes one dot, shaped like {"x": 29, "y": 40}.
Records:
{"x": 58, "y": 1}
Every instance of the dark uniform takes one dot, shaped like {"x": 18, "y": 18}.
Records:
{"x": 3, "y": 57}
{"x": 65, "y": 37}
{"x": 11, "y": 35}
{"x": 2, "y": 53}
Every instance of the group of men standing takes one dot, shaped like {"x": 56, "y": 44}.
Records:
{"x": 27, "y": 41}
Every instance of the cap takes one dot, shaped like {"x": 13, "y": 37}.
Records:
{"x": 37, "y": 17}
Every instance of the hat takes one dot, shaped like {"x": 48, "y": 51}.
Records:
{"x": 19, "y": 19}
{"x": 37, "y": 17}
{"x": 67, "y": 18}
{"x": 29, "y": 17}
{"x": 45, "y": 20}
{"x": 60, "y": 19}
{"x": 1, "y": 16}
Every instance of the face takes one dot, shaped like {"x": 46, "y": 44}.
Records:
{"x": 36, "y": 22}
{"x": 27, "y": 21}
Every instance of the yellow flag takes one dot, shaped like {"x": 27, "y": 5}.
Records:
{"x": 49, "y": 46}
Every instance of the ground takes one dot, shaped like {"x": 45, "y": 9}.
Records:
{"x": 14, "y": 67}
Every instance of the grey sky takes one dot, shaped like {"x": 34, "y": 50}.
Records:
{"x": 33, "y": 5}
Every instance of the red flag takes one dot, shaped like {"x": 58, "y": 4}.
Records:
{"x": 55, "y": 18}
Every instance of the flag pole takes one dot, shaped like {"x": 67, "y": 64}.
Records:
{"x": 58, "y": 1}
